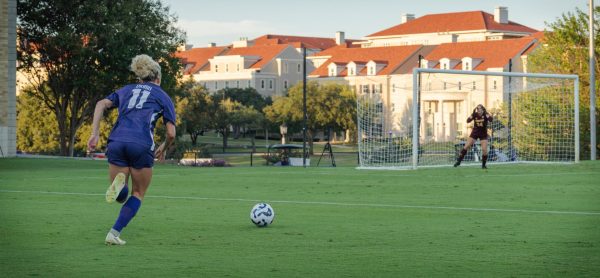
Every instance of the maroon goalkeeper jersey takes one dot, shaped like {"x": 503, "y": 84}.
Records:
{"x": 480, "y": 126}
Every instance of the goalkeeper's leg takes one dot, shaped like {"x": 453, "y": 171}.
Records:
{"x": 484, "y": 152}
{"x": 464, "y": 151}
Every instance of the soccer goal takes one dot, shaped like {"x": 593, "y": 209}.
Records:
{"x": 536, "y": 119}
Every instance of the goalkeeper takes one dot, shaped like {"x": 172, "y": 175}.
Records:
{"x": 481, "y": 118}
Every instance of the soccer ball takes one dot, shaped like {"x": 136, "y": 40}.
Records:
{"x": 262, "y": 215}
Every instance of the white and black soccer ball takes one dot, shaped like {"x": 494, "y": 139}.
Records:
{"x": 262, "y": 214}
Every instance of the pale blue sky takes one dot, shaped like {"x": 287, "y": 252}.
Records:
{"x": 223, "y": 21}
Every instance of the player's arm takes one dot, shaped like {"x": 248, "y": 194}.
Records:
{"x": 472, "y": 117}
{"x": 101, "y": 106}
{"x": 170, "y": 137}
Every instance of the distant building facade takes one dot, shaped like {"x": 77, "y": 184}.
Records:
{"x": 271, "y": 63}
{"x": 381, "y": 65}
{"x": 8, "y": 113}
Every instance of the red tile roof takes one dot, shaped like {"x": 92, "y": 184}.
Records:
{"x": 297, "y": 41}
{"x": 539, "y": 36}
{"x": 198, "y": 57}
{"x": 452, "y": 22}
{"x": 494, "y": 54}
{"x": 394, "y": 56}
{"x": 265, "y": 52}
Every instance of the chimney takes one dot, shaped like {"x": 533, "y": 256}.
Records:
{"x": 501, "y": 15}
{"x": 212, "y": 44}
{"x": 243, "y": 42}
{"x": 340, "y": 37}
{"x": 406, "y": 18}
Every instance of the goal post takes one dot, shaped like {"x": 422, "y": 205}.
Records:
{"x": 422, "y": 121}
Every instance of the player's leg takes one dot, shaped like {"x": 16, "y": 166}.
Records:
{"x": 463, "y": 152}
{"x": 118, "y": 169}
{"x": 141, "y": 176}
{"x": 119, "y": 176}
{"x": 484, "y": 152}
{"x": 140, "y": 179}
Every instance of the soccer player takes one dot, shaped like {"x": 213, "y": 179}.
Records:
{"x": 481, "y": 118}
{"x": 131, "y": 149}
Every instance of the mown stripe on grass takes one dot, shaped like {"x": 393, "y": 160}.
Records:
{"x": 328, "y": 203}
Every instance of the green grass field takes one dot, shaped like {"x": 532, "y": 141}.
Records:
{"x": 512, "y": 220}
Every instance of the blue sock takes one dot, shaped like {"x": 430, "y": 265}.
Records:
{"x": 123, "y": 194}
{"x": 127, "y": 213}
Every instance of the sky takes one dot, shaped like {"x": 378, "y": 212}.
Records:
{"x": 224, "y": 21}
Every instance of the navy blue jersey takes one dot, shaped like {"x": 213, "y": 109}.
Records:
{"x": 140, "y": 106}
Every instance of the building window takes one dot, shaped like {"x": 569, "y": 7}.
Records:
{"x": 226, "y": 84}
{"x": 270, "y": 84}
{"x": 459, "y": 85}
{"x": 351, "y": 71}
{"x": 216, "y": 85}
{"x": 495, "y": 86}
{"x": 262, "y": 84}
{"x": 467, "y": 66}
{"x": 474, "y": 86}
{"x": 237, "y": 83}
{"x": 285, "y": 84}
{"x": 393, "y": 88}
{"x": 445, "y": 86}
{"x": 249, "y": 83}
{"x": 285, "y": 67}
{"x": 299, "y": 68}
{"x": 226, "y": 68}
{"x": 377, "y": 88}
{"x": 238, "y": 67}
{"x": 331, "y": 72}
{"x": 393, "y": 107}
{"x": 365, "y": 89}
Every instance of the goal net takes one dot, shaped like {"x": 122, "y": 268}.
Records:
{"x": 421, "y": 121}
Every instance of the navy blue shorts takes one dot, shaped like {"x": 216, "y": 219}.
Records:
{"x": 130, "y": 155}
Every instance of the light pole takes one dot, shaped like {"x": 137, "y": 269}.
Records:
{"x": 283, "y": 131}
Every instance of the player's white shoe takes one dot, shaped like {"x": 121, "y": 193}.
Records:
{"x": 115, "y": 188}
{"x": 113, "y": 240}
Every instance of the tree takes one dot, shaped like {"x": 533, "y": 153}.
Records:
{"x": 328, "y": 106}
{"x": 75, "y": 53}
{"x": 227, "y": 113}
{"x": 37, "y": 128}
{"x": 249, "y": 98}
{"x": 564, "y": 49}
{"x": 193, "y": 110}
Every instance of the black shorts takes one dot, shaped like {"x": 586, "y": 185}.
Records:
{"x": 479, "y": 135}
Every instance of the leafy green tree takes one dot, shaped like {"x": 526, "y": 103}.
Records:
{"x": 193, "y": 110}
{"x": 227, "y": 113}
{"x": 565, "y": 49}
{"x": 538, "y": 125}
{"x": 36, "y": 126}
{"x": 248, "y": 97}
{"x": 327, "y": 106}
{"x": 75, "y": 53}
